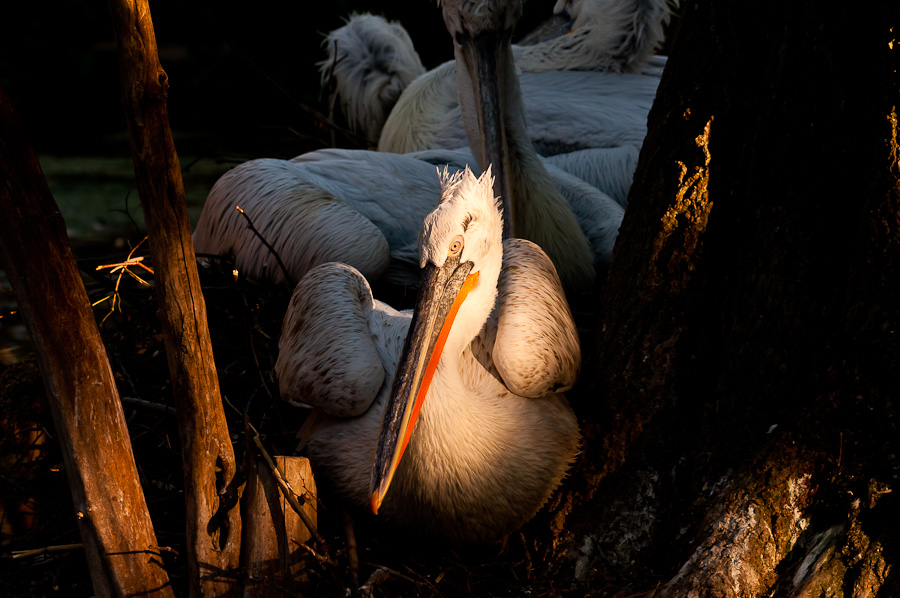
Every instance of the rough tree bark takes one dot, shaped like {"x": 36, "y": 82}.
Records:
{"x": 743, "y": 439}
{"x": 211, "y": 491}
{"x": 115, "y": 525}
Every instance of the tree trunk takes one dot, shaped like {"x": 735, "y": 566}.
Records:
{"x": 211, "y": 492}
{"x": 115, "y": 525}
{"x": 743, "y": 435}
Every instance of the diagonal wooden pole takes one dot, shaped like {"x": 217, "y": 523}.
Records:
{"x": 211, "y": 494}
{"x": 115, "y": 526}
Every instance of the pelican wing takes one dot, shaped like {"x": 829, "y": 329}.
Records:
{"x": 609, "y": 169}
{"x": 597, "y": 213}
{"x": 305, "y": 224}
{"x": 327, "y": 357}
{"x": 536, "y": 348}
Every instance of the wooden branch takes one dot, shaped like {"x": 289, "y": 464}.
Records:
{"x": 118, "y": 536}
{"x": 276, "y": 557}
{"x": 213, "y": 519}
{"x": 289, "y": 494}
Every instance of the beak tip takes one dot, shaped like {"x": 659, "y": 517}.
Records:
{"x": 375, "y": 502}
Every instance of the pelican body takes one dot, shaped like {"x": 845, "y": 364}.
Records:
{"x": 387, "y": 197}
{"x": 448, "y": 421}
{"x": 372, "y": 60}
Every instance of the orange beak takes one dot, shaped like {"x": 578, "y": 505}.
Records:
{"x": 441, "y": 292}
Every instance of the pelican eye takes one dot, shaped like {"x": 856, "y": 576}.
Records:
{"x": 455, "y": 246}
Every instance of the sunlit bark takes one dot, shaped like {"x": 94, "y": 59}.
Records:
{"x": 213, "y": 518}
{"x": 742, "y": 427}
{"x": 118, "y": 536}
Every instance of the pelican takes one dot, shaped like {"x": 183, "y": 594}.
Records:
{"x": 576, "y": 228}
{"x": 371, "y": 60}
{"x": 449, "y": 421}
{"x": 364, "y": 208}
{"x": 565, "y": 111}
{"x": 316, "y": 210}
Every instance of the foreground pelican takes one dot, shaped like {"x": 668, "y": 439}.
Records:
{"x": 468, "y": 429}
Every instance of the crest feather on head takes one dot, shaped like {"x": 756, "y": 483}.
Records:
{"x": 467, "y": 204}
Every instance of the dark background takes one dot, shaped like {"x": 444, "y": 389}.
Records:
{"x": 240, "y": 73}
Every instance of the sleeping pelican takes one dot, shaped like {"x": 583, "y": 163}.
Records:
{"x": 371, "y": 61}
{"x": 299, "y": 206}
{"x": 365, "y": 208}
{"x": 468, "y": 429}
{"x": 576, "y": 228}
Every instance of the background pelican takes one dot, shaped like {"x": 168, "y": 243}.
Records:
{"x": 565, "y": 111}
{"x": 394, "y": 193}
{"x": 576, "y": 229}
{"x": 365, "y": 209}
{"x": 478, "y": 457}
{"x": 371, "y": 60}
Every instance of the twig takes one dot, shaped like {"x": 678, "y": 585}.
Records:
{"x": 321, "y": 558}
{"x": 840, "y": 449}
{"x": 528, "y": 562}
{"x": 286, "y": 489}
{"x": 122, "y": 268}
{"x": 352, "y": 552}
{"x": 262, "y": 377}
{"x": 648, "y": 593}
{"x": 149, "y": 405}
{"x": 271, "y": 249}
{"x": 383, "y": 574}
{"x": 21, "y": 554}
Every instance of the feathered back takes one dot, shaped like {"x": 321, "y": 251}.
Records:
{"x": 371, "y": 61}
{"x": 607, "y": 35}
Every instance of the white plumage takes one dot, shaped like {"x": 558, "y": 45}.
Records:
{"x": 481, "y": 458}
{"x": 617, "y": 36}
{"x": 565, "y": 111}
{"x": 598, "y": 203}
{"x": 357, "y": 207}
{"x": 371, "y": 61}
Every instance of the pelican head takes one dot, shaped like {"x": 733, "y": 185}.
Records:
{"x": 460, "y": 253}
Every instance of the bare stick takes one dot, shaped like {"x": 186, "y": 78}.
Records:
{"x": 149, "y": 405}
{"x": 352, "y": 552}
{"x": 271, "y": 249}
{"x": 22, "y": 554}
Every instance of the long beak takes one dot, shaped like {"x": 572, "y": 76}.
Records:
{"x": 481, "y": 57}
{"x": 441, "y": 292}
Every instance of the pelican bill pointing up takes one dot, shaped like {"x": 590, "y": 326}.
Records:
{"x": 582, "y": 90}
{"x": 466, "y": 421}
{"x": 393, "y": 193}
{"x": 372, "y": 60}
